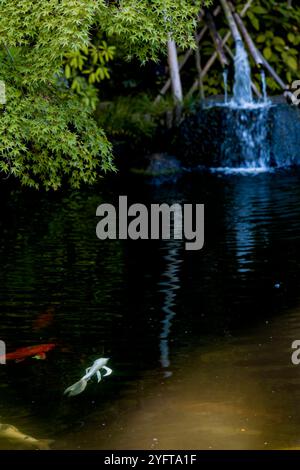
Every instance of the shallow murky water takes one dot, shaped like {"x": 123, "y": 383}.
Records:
{"x": 200, "y": 342}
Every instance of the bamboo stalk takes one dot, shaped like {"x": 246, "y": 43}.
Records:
{"x": 187, "y": 55}
{"x": 207, "y": 67}
{"x": 217, "y": 40}
{"x": 216, "y": 11}
{"x": 174, "y": 72}
{"x": 214, "y": 56}
{"x": 199, "y": 70}
{"x": 274, "y": 74}
{"x": 251, "y": 46}
{"x": 231, "y": 22}
{"x": 259, "y": 58}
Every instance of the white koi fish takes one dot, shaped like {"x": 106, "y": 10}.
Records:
{"x": 79, "y": 386}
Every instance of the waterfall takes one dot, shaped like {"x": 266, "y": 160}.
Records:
{"x": 246, "y": 145}
{"x": 225, "y": 78}
{"x": 264, "y": 86}
{"x": 246, "y": 139}
{"x": 242, "y": 93}
{"x": 246, "y": 120}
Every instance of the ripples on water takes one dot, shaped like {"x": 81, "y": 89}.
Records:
{"x": 197, "y": 338}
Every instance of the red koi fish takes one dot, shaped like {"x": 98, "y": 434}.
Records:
{"x": 38, "y": 352}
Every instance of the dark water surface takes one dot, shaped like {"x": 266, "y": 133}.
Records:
{"x": 200, "y": 342}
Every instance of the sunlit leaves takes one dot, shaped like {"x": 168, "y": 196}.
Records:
{"x": 51, "y": 66}
{"x": 90, "y": 62}
{"x": 48, "y": 134}
{"x": 49, "y": 140}
{"x": 145, "y": 25}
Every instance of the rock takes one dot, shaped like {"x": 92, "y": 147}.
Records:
{"x": 159, "y": 167}
{"x": 220, "y": 136}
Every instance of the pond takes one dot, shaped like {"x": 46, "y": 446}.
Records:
{"x": 199, "y": 341}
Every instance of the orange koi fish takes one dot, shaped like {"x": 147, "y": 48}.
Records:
{"x": 38, "y": 352}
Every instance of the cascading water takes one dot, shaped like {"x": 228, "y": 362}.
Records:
{"x": 246, "y": 126}
{"x": 264, "y": 86}
{"x": 246, "y": 145}
{"x": 225, "y": 78}
{"x": 242, "y": 134}
{"x": 242, "y": 92}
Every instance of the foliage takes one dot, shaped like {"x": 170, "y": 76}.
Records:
{"x": 46, "y": 138}
{"x": 278, "y": 37}
{"x": 132, "y": 117}
{"x": 47, "y": 133}
{"x": 48, "y": 130}
{"x": 89, "y": 66}
{"x": 275, "y": 29}
{"x": 151, "y": 22}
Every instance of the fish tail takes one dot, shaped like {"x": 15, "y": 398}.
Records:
{"x": 76, "y": 388}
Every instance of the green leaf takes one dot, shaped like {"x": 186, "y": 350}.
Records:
{"x": 67, "y": 71}
{"x": 261, "y": 38}
{"x": 278, "y": 41}
{"x": 267, "y": 53}
{"x": 292, "y": 63}
{"x": 259, "y": 10}
{"x": 291, "y": 37}
{"x": 254, "y": 20}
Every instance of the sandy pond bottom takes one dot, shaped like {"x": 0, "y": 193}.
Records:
{"x": 199, "y": 342}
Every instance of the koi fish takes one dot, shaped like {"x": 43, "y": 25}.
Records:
{"x": 37, "y": 352}
{"x": 79, "y": 386}
{"x": 17, "y": 438}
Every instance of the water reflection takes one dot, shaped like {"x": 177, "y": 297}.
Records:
{"x": 258, "y": 212}
{"x": 236, "y": 393}
{"x": 250, "y": 211}
{"x": 212, "y": 320}
{"x": 169, "y": 287}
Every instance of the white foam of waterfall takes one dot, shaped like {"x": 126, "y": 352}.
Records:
{"x": 264, "y": 86}
{"x": 242, "y": 92}
{"x": 225, "y": 78}
{"x": 246, "y": 142}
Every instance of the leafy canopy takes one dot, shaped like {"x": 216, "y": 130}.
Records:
{"x": 48, "y": 133}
